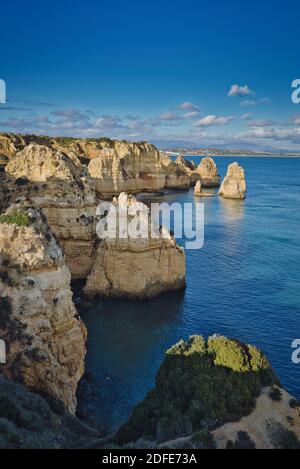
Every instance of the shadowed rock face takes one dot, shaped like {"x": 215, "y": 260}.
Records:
{"x": 234, "y": 183}
{"x": 136, "y": 268}
{"x": 190, "y": 168}
{"x": 208, "y": 173}
{"x": 200, "y": 386}
{"x": 29, "y": 421}
{"x": 45, "y": 337}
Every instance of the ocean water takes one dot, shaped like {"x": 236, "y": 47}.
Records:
{"x": 244, "y": 283}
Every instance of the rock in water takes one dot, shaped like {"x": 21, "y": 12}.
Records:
{"x": 198, "y": 188}
{"x": 45, "y": 337}
{"x": 136, "y": 268}
{"x": 234, "y": 183}
{"x": 208, "y": 173}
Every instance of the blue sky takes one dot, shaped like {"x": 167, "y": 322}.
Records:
{"x": 149, "y": 70}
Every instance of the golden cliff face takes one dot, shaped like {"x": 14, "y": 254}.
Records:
{"x": 234, "y": 183}
{"x": 68, "y": 192}
{"x": 61, "y": 186}
{"x": 45, "y": 337}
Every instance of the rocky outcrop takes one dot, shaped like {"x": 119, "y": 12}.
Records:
{"x": 44, "y": 336}
{"x": 234, "y": 183}
{"x": 176, "y": 177}
{"x": 61, "y": 186}
{"x": 201, "y": 388}
{"x": 126, "y": 166}
{"x": 189, "y": 167}
{"x": 133, "y": 267}
{"x": 208, "y": 173}
{"x": 199, "y": 192}
{"x": 58, "y": 183}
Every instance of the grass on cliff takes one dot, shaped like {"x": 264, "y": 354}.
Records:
{"x": 200, "y": 385}
{"x": 17, "y": 217}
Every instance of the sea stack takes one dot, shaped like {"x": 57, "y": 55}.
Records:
{"x": 234, "y": 183}
{"x": 130, "y": 267}
{"x": 198, "y": 191}
{"x": 208, "y": 173}
{"x": 198, "y": 188}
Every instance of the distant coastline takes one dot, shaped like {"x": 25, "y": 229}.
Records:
{"x": 197, "y": 152}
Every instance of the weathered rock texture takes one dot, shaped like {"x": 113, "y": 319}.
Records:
{"x": 45, "y": 337}
{"x": 125, "y": 166}
{"x": 61, "y": 186}
{"x": 208, "y": 172}
{"x": 198, "y": 188}
{"x": 199, "y": 192}
{"x": 136, "y": 268}
{"x": 53, "y": 177}
{"x": 234, "y": 183}
{"x": 190, "y": 168}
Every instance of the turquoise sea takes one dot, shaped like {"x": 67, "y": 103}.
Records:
{"x": 244, "y": 283}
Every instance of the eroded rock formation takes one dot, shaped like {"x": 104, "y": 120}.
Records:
{"x": 208, "y": 172}
{"x": 60, "y": 185}
{"x": 234, "y": 183}
{"x": 45, "y": 338}
{"x": 136, "y": 267}
{"x": 190, "y": 168}
{"x": 126, "y": 166}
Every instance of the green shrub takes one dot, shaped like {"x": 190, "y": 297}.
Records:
{"x": 203, "y": 439}
{"x": 17, "y": 217}
{"x": 203, "y": 383}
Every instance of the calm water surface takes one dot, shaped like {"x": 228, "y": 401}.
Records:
{"x": 244, "y": 282}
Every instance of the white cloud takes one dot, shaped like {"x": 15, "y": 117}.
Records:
{"x": 169, "y": 116}
{"x": 253, "y": 102}
{"x": 188, "y": 106}
{"x": 213, "y": 120}
{"x": 191, "y": 115}
{"x": 248, "y": 102}
{"x": 261, "y": 123}
{"x": 247, "y": 116}
{"x": 237, "y": 90}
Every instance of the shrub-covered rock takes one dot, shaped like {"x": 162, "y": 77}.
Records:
{"x": 27, "y": 420}
{"x": 200, "y": 385}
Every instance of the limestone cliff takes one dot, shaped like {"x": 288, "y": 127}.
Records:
{"x": 136, "y": 268}
{"x": 60, "y": 185}
{"x": 126, "y": 166}
{"x": 208, "y": 172}
{"x": 190, "y": 168}
{"x": 53, "y": 178}
{"x": 234, "y": 183}
{"x": 45, "y": 338}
